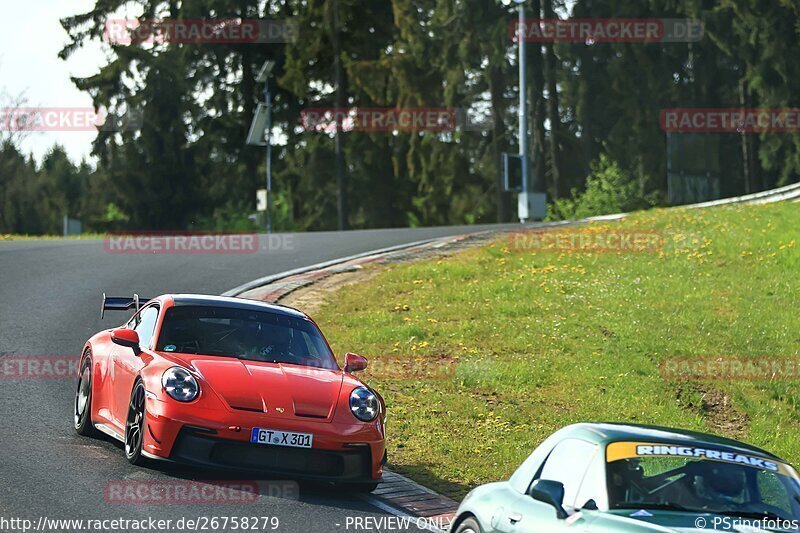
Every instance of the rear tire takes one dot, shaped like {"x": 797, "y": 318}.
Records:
{"x": 470, "y": 525}
{"x": 82, "y": 406}
{"x": 135, "y": 426}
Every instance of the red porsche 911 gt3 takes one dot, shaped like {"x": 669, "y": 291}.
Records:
{"x": 230, "y": 383}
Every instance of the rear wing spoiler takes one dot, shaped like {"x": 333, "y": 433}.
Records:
{"x": 113, "y": 303}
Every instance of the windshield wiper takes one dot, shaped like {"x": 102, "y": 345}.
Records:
{"x": 250, "y": 358}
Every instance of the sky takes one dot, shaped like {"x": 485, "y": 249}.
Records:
{"x": 30, "y": 39}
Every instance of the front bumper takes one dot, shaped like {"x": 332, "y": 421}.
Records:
{"x": 199, "y": 448}
{"x": 341, "y": 452}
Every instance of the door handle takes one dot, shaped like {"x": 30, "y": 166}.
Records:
{"x": 514, "y": 518}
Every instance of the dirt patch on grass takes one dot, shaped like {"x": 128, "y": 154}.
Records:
{"x": 311, "y": 297}
{"x": 716, "y": 408}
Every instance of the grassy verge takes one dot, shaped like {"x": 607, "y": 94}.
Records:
{"x": 543, "y": 340}
{"x": 21, "y": 237}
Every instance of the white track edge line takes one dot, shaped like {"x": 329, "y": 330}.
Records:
{"x": 302, "y": 270}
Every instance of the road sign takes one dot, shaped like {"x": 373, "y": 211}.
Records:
{"x": 532, "y": 205}
{"x": 512, "y": 172}
{"x": 258, "y": 128}
{"x": 72, "y": 226}
{"x": 261, "y": 200}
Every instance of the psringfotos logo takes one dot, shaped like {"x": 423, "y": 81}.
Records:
{"x": 735, "y": 523}
{"x": 38, "y": 366}
{"x": 195, "y": 242}
{"x": 183, "y": 492}
{"x": 587, "y": 240}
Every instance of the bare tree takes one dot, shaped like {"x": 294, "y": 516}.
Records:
{"x": 15, "y": 126}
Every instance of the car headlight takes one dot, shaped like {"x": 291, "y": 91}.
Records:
{"x": 180, "y": 384}
{"x": 364, "y": 404}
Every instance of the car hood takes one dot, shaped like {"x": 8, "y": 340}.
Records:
{"x": 280, "y": 390}
{"x": 684, "y": 522}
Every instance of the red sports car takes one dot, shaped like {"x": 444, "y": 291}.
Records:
{"x": 230, "y": 383}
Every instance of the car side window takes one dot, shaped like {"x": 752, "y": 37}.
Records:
{"x": 146, "y": 325}
{"x": 569, "y": 464}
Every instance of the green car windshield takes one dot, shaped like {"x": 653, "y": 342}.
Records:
{"x": 692, "y": 479}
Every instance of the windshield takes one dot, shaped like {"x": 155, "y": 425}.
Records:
{"x": 245, "y": 334}
{"x": 685, "y": 478}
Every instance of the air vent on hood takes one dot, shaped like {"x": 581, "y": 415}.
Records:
{"x": 303, "y": 415}
{"x": 251, "y": 409}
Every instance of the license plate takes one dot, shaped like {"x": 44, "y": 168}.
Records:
{"x": 281, "y": 438}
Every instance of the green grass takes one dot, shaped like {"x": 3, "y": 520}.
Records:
{"x": 24, "y": 237}
{"x": 543, "y": 340}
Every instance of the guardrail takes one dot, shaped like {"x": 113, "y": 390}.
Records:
{"x": 789, "y": 192}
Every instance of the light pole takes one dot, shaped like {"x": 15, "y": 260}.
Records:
{"x": 531, "y": 204}
{"x": 263, "y": 77}
{"x": 523, "y": 110}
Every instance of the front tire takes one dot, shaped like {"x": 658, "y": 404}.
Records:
{"x": 470, "y": 525}
{"x": 135, "y": 426}
{"x": 82, "y": 407}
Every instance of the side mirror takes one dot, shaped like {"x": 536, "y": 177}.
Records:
{"x": 125, "y": 337}
{"x": 354, "y": 363}
{"x": 549, "y": 492}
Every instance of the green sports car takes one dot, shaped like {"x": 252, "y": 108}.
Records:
{"x": 631, "y": 478}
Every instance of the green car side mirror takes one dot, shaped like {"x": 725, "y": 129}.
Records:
{"x": 549, "y": 492}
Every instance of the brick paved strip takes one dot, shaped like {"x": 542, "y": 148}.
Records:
{"x": 398, "y": 486}
{"x": 402, "y": 500}
{"x": 414, "y": 499}
{"x": 428, "y": 514}
{"x": 436, "y": 503}
{"x": 400, "y": 493}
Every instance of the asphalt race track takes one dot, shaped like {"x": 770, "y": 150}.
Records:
{"x": 50, "y": 303}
